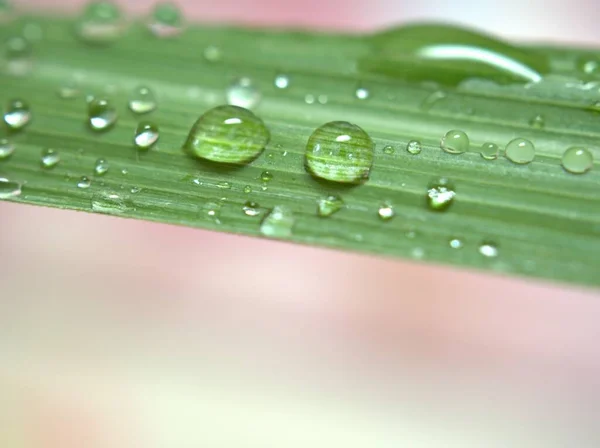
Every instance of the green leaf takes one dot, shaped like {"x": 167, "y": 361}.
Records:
{"x": 535, "y": 219}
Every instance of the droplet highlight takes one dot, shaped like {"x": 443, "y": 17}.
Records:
{"x": 6, "y": 148}
{"x": 17, "y": 114}
{"x": 50, "y": 158}
{"x": 488, "y": 250}
{"x": 251, "y": 209}
{"x": 489, "y": 151}
{"x": 329, "y": 205}
{"x": 282, "y": 82}
{"x": 84, "y": 182}
{"x": 455, "y": 142}
{"x": 385, "y": 212}
{"x": 414, "y": 147}
{"x": 101, "y": 167}
{"x": 9, "y": 189}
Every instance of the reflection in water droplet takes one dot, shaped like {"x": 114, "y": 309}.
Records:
{"x": 227, "y": 134}
{"x": 251, "y": 209}
{"x": 17, "y": 114}
{"x": 243, "y": 93}
{"x": 455, "y": 243}
{"x": 9, "y": 189}
{"x": 329, "y": 205}
{"x": 440, "y": 195}
{"x": 84, "y": 182}
{"x": 386, "y": 212}
{"x": 101, "y": 22}
{"x": 146, "y": 135}
{"x": 6, "y": 148}
{"x": 340, "y": 152}
{"x": 166, "y": 20}
{"x": 278, "y": 223}
{"x": 414, "y": 147}
{"x": 50, "y": 158}
{"x": 455, "y": 142}
{"x": 110, "y": 202}
{"x": 520, "y": 151}
{"x": 142, "y": 100}
{"x": 362, "y": 93}
{"x": 577, "y": 160}
{"x": 102, "y": 115}
{"x": 389, "y": 150}
{"x": 101, "y": 167}
{"x": 488, "y": 249}
{"x": 489, "y": 151}
{"x": 537, "y": 122}
{"x": 282, "y": 82}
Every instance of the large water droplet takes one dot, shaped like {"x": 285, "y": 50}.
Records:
{"x": 243, "y": 93}
{"x": 227, "y": 134}
{"x": 142, "y": 100}
{"x": 146, "y": 135}
{"x": 340, "y": 152}
{"x": 17, "y": 114}
{"x": 440, "y": 195}
{"x": 455, "y": 142}
{"x": 329, "y": 205}
{"x": 588, "y": 66}
{"x": 100, "y": 23}
{"x": 278, "y": 223}
{"x": 6, "y": 148}
{"x": 385, "y": 212}
{"x": 166, "y": 20}
{"x": 489, "y": 151}
{"x": 50, "y": 158}
{"x": 577, "y": 160}
{"x": 251, "y": 209}
{"x": 110, "y": 202}
{"x": 448, "y": 55}
{"x": 520, "y": 151}
{"x": 9, "y": 189}
{"x": 101, "y": 167}
{"x": 488, "y": 249}
{"x": 102, "y": 115}
{"x": 414, "y": 147}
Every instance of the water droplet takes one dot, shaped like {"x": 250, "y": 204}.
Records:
{"x": 588, "y": 66}
{"x": 282, "y": 82}
{"x": 455, "y": 243}
{"x": 520, "y": 151}
{"x": 212, "y": 211}
{"x": 110, "y": 202}
{"x": 247, "y": 189}
{"x": 50, "y": 158}
{"x": 212, "y": 53}
{"x": 362, "y": 93}
{"x": 224, "y": 185}
{"x": 266, "y": 176}
{"x": 142, "y": 100}
{"x": 440, "y": 195}
{"x": 101, "y": 167}
{"x": 278, "y": 223}
{"x": 537, "y": 122}
{"x": 146, "y": 135}
{"x": 102, "y": 115}
{"x": 9, "y": 189}
{"x": 84, "y": 182}
{"x": 418, "y": 253}
{"x": 69, "y": 89}
{"x": 243, "y": 93}
{"x": 414, "y": 147}
{"x": 309, "y": 99}
{"x": 448, "y": 55}
{"x": 17, "y": 114}
{"x": 432, "y": 99}
{"x": 166, "y": 20}
{"x": 100, "y": 23}
{"x": 329, "y": 205}
{"x": 323, "y": 99}
{"x": 489, "y": 151}
{"x": 386, "y": 212}
{"x": 488, "y": 249}
{"x": 251, "y": 209}
{"x": 455, "y": 142}
{"x": 227, "y": 134}
{"x": 340, "y": 152}
{"x": 389, "y": 150}
{"x": 577, "y": 160}
{"x": 6, "y": 148}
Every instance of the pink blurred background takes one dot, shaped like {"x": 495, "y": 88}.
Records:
{"x": 128, "y": 335}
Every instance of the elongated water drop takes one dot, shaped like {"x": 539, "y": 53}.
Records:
{"x": 414, "y": 147}
{"x": 17, "y": 114}
{"x": 340, "y": 152}
{"x": 102, "y": 115}
{"x": 142, "y": 100}
{"x": 101, "y": 22}
{"x": 166, "y": 20}
{"x": 577, "y": 160}
{"x": 520, "y": 151}
{"x": 329, "y": 205}
{"x": 243, "y": 93}
{"x": 455, "y": 142}
{"x": 101, "y": 167}
{"x": 448, "y": 55}
{"x": 227, "y": 134}
{"x": 110, "y": 202}
{"x": 50, "y": 158}
{"x": 385, "y": 212}
{"x": 9, "y": 189}
{"x": 278, "y": 223}
{"x": 440, "y": 195}
{"x": 489, "y": 151}
{"x": 6, "y": 148}
{"x": 146, "y": 135}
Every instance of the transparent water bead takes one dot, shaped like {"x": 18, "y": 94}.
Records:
{"x": 577, "y": 160}
{"x": 146, "y": 134}
{"x": 488, "y": 250}
{"x": 142, "y": 100}
{"x": 520, "y": 151}
{"x": 6, "y": 148}
{"x": 455, "y": 142}
{"x": 414, "y": 147}
{"x": 440, "y": 195}
{"x": 489, "y": 151}
{"x": 329, "y": 205}
{"x": 278, "y": 223}
{"x": 243, "y": 93}
{"x": 50, "y": 158}
{"x": 17, "y": 114}
{"x": 9, "y": 189}
{"x": 385, "y": 212}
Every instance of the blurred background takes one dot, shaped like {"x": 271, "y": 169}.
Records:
{"x": 124, "y": 333}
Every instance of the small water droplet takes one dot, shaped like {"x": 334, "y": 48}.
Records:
{"x": 101, "y": 22}
{"x": 212, "y": 53}
{"x": 440, "y": 195}
{"x": 389, "y": 150}
{"x": 146, "y": 135}
{"x": 142, "y": 100}
{"x": 577, "y": 160}
{"x": 50, "y": 158}
{"x": 266, "y": 176}
{"x": 110, "y": 202}
{"x": 227, "y": 134}
{"x": 9, "y": 189}
{"x": 488, "y": 249}
{"x": 69, "y": 89}
{"x": 537, "y": 122}
{"x": 386, "y": 212}
{"x": 455, "y": 243}
{"x": 243, "y": 93}
{"x": 84, "y": 182}
{"x": 101, "y": 167}
{"x": 323, "y": 99}
{"x": 489, "y": 151}
{"x": 212, "y": 211}
{"x": 224, "y": 185}
{"x": 455, "y": 142}
{"x": 418, "y": 253}
{"x": 166, "y": 20}
{"x": 251, "y": 209}
{"x": 362, "y": 93}
{"x": 432, "y": 99}
{"x": 6, "y": 148}
{"x": 340, "y": 152}
{"x": 414, "y": 147}
{"x": 520, "y": 151}
{"x": 309, "y": 99}
{"x": 278, "y": 223}
{"x": 588, "y": 66}
{"x": 329, "y": 205}
{"x": 102, "y": 115}
{"x": 247, "y": 189}
{"x": 17, "y": 114}
{"x": 282, "y": 82}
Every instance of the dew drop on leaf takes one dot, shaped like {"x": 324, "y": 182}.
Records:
{"x": 84, "y": 182}
{"x": 6, "y": 148}
{"x": 100, "y": 23}
{"x": 537, "y": 122}
{"x": 388, "y": 149}
{"x": 282, "y": 81}
{"x": 243, "y": 93}
{"x": 520, "y": 151}
{"x": 9, "y": 189}
{"x": 385, "y": 212}
{"x": 455, "y": 142}
{"x": 101, "y": 167}
{"x": 362, "y": 93}
{"x": 414, "y": 147}
{"x": 251, "y": 209}
{"x": 329, "y": 205}
{"x": 102, "y": 115}
{"x": 488, "y": 249}
{"x": 50, "y": 158}
{"x": 17, "y": 114}
{"x": 455, "y": 243}
{"x": 278, "y": 223}
{"x": 577, "y": 160}
{"x": 110, "y": 202}
{"x": 142, "y": 100}
{"x": 266, "y": 176}
{"x": 146, "y": 135}
{"x": 440, "y": 195}
{"x": 166, "y": 20}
